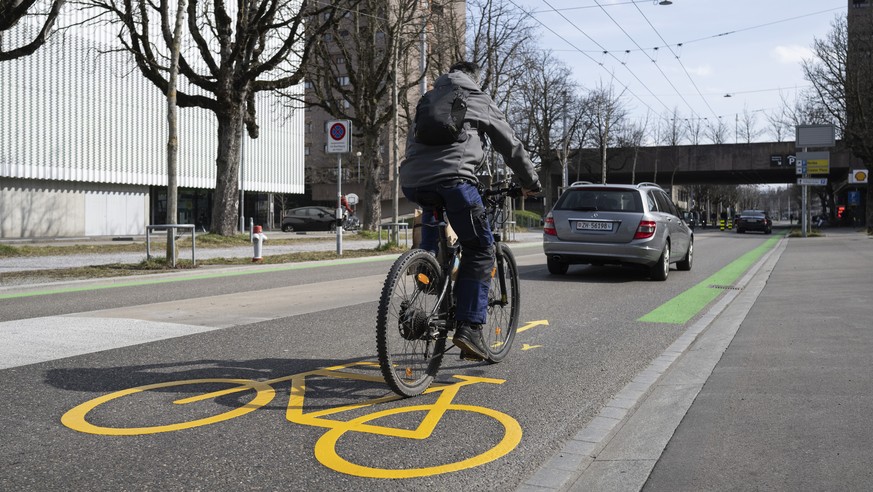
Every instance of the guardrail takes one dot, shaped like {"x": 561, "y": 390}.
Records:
{"x": 164, "y": 227}
{"x": 398, "y": 226}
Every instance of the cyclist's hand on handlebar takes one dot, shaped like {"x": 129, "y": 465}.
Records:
{"x": 533, "y": 190}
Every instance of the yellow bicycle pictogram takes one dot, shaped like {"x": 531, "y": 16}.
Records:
{"x": 326, "y": 446}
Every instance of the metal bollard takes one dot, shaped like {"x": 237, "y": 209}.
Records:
{"x": 258, "y": 238}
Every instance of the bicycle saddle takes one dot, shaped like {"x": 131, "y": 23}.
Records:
{"x": 430, "y": 199}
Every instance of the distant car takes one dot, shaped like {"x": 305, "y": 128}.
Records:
{"x": 617, "y": 224}
{"x": 754, "y": 220}
{"x": 691, "y": 218}
{"x": 309, "y": 219}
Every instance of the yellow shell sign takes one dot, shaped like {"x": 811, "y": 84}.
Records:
{"x": 858, "y": 176}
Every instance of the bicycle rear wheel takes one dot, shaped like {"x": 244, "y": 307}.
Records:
{"x": 503, "y": 305}
{"x": 410, "y": 345}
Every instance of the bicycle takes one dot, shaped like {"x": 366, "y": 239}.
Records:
{"x": 416, "y": 307}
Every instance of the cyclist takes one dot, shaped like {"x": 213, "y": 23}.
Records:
{"x": 449, "y": 171}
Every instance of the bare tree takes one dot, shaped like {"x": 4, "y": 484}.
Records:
{"x": 375, "y": 49}
{"x": 632, "y": 136}
{"x": 501, "y": 40}
{"x": 716, "y": 131}
{"x": 694, "y": 129}
{"x": 13, "y": 13}
{"x": 229, "y": 54}
{"x": 842, "y": 76}
{"x": 779, "y": 121}
{"x": 608, "y": 114}
{"x": 545, "y": 116}
{"x": 748, "y": 126}
{"x": 674, "y": 133}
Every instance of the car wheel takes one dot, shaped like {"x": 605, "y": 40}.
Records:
{"x": 557, "y": 267}
{"x": 741, "y": 231}
{"x": 287, "y": 228}
{"x": 661, "y": 269}
{"x": 332, "y": 227}
{"x": 685, "y": 263}
{"x": 769, "y": 231}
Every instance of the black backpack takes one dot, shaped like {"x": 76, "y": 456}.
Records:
{"x": 439, "y": 115}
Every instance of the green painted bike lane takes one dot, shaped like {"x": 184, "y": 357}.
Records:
{"x": 686, "y": 305}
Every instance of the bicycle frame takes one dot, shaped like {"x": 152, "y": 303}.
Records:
{"x": 446, "y": 254}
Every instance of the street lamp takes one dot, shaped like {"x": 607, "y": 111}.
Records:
{"x": 358, "y": 153}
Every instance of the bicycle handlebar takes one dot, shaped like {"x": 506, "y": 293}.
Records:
{"x": 512, "y": 191}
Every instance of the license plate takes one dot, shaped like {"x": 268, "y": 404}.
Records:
{"x": 587, "y": 225}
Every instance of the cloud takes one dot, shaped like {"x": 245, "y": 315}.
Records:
{"x": 791, "y": 54}
{"x": 701, "y": 71}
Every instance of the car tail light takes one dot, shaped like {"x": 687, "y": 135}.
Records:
{"x": 646, "y": 229}
{"x": 549, "y": 226}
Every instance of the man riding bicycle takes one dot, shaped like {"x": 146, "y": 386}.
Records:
{"x": 448, "y": 170}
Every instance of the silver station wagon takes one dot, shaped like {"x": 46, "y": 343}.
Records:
{"x": 617, "y": 224}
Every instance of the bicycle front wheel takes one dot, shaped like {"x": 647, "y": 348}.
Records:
{"x": 504, "y": 298}
{"x": 409, "y": 342}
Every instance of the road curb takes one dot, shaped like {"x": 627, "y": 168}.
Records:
{"x": 618, "y": 449}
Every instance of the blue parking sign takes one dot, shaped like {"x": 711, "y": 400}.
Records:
{"x": 854, "y": 198}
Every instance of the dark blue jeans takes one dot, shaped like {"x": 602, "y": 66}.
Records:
{"x": 466, "y": 214}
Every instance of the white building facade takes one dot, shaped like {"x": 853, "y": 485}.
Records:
{"x": 83, "y": 146}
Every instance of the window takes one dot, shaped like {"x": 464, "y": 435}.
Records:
{"x": 307, "y": 127}
{"x": 306, "y": 150}
{"x": 653, "y": 207}
{"x": 340, "y": 60}
{"x": 307, "y": 84}
{"x": 664, "y": 203}
{"x": 343, "y": 81}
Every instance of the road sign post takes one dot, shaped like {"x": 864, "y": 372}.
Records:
{"x": 339, "y": 135}
{"x": 820, "y": 136}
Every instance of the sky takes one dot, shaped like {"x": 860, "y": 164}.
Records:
{"x": 706, "y": 49}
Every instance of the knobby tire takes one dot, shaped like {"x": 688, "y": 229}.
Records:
{"x": 409, "y": 352}
{"x": 502, "y": 322}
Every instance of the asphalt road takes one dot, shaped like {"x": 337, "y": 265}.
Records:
{"x": 583, "y": 344}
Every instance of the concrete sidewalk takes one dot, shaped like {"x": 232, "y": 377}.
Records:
{"x": 771, "y": 390}
{"x": 790, "y": 404}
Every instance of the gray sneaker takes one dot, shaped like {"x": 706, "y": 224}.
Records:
{"x": 469, "y": 339}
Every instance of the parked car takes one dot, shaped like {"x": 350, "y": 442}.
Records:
{"x": 754, "y": 220}
{"x": 622, "y": 224}
{"x": 309, "y": 219}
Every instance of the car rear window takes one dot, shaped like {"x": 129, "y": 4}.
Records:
{"x": 602, "y": 200}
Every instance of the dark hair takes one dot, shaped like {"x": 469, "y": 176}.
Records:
{"x": 469, "y": 68}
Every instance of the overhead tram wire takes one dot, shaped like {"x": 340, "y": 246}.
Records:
{"x": 705, "y": 38}
{"x": 562, "y": 38}
{"x": 650, "y": 58}
{"x": 595, "y": 61}
{"x": 690, "y": 79}
{"x": 591, "y": 6}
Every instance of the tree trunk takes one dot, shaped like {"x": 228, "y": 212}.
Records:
{"x": 225, "y": 200}
{"x": 372, "y": 201}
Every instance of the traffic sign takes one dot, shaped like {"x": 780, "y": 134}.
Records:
{"x": 815, "y": 162}
{"x": 812, "y": 181}
{"x": 338, "y": 136}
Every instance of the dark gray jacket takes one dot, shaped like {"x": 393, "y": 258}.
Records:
{"x": 426, "y": 165}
